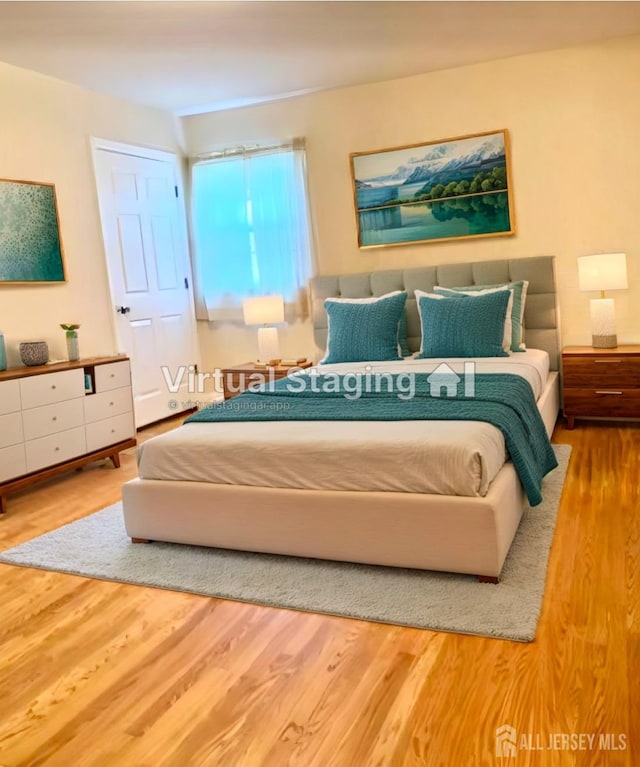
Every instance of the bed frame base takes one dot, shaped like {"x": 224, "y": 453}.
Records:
{"x": 431, "y": 532}
{"x": 459, "y": 534}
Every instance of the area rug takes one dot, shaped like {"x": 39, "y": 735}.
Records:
{"x": 98, "y": 547}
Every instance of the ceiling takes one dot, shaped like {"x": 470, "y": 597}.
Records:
{"x": 189, "y": 57}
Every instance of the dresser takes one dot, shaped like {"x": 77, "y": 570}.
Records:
{"x": 54, "y": 418}
{"x": 601, "y": 383}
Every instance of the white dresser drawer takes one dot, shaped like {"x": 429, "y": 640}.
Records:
{"x": 50, "y": 419}
{"x": 112, "y": 376}
{"x": 9, "y": 397}
{"x": 97, "y": 407}
{"x": 11, "y": 429}
{"x": 108, "y": 432}
{"x": 48, "y": 451}
{"x": 12, "y": 462}
{"x": 51, "y": 387}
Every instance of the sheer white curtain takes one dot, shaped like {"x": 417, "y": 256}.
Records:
{"x": 251, "y": 229}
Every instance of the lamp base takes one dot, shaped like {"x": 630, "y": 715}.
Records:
{"x": 603, "y": 324}
{"x": 604, "y": 342}
{"x": 268, "y": 346}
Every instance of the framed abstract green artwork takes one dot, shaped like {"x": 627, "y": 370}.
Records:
{"x": 435, "y": 191}
{"x": 30, "y": 245}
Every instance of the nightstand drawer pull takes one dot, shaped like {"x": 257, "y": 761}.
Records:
{"x": 619, "y": 393}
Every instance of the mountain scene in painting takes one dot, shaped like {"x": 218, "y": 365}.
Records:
{"x": 451, "y": 189}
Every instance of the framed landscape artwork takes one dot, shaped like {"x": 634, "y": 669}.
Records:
{"x": 439, "y": 190}
{"x": 30, "y": 247}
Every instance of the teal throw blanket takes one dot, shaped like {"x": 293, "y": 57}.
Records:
{"x": 504, "y": 400}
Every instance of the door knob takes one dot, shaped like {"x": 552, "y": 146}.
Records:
{"x": 123, "y": 309}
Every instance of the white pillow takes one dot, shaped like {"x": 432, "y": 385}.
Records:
{"x": 508, "y": 328}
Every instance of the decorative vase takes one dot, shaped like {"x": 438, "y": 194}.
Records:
{"x": 73, "y": 348}
{"x": 34, "y": 353}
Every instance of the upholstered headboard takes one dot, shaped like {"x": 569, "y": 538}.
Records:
{"x": 541, "y": 313}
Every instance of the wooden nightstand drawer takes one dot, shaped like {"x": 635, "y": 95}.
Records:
{"x": 601, "y": 383}
{"x": 236, "y": 382}
{"x": 601, "y": 371}
{"x": 602, "y": 402}
{"x": 239, "y": 379}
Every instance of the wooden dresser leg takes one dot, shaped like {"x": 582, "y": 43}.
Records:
{"x": 140, "y": 540}
{"x": 488, "y": 579}
{"x": 3, "y": 504}
{"x": 571, "y": 422}
{"x": 115, "y": 460}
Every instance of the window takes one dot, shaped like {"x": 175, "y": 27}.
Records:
{"x": 251, "y": 228}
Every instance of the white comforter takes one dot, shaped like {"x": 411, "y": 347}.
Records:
{"x": 442, "y": 457}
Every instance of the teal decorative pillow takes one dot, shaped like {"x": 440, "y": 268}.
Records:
{"x": 508, "y": 331}
{"x": 471, "y": 327}
{"x": 364, "y": 329}
{"x": 519, "y": 289}
{"x": 403, "y": 342}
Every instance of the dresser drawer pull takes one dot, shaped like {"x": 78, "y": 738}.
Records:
{"x": 55, "y": 418}
{"x": 618, "y": 393}
{"x": 53, "y": 386}
{"x": 601, "y": 361}
{"x": 56, "y": 449}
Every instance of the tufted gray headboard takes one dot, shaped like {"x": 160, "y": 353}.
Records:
{"x": 541, "y": 313}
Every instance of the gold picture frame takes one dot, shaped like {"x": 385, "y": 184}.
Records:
{"x": 30, "y": 244}
{"x": 456, "y": 188}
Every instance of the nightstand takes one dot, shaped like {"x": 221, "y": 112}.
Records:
{"x": 601, "y": 383}
{"x": 239, "y": 378}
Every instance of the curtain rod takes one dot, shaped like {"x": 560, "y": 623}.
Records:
{"x": 248, "y": 149}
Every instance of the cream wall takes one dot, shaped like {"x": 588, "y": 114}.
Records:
{"x": 574, "y": 120}
{"x": 44, "y": 136}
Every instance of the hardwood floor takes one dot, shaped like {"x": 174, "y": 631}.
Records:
{"x": 100, "y": 674}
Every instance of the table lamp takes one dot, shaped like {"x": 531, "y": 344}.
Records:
{"x": 605, "y": 271}
{"x": 264, "y": 311}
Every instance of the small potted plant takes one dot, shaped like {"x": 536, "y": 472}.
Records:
{"x": 73, "y": 349}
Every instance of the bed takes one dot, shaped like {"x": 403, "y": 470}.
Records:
{"x": 271, "y": 487}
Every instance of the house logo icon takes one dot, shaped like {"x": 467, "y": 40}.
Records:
{"x": 506, "y": 741}
{"x": 445, "y": 379}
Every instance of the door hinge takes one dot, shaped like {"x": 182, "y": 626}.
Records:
{"x": 186, "y": 283}
{"x": 176, "y": 189}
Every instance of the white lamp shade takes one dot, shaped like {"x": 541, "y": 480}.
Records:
{"x": 263, "y": 310}
{"x": 605, "y": 271}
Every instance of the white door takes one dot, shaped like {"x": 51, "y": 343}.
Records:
{"x": 143, "y": 225}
